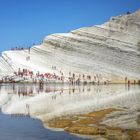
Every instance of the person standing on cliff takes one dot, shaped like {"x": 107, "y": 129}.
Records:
{"x": 29, "y": 50}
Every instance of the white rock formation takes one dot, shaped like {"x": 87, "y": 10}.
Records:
{"x": 111, "y": 50}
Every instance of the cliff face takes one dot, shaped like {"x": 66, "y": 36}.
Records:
{"x": 111, "y": 50}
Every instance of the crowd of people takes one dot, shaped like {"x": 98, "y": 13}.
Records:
{"x": 20, "y": 48}
{"x": 84, "y": 78}
{"x": 38, "y": 77}
{"x": 71, "y": 78}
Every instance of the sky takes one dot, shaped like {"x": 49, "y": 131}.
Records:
{"x": 25, "y": 22}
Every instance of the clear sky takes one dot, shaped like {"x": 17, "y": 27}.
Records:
{"x": 24, "y": 22}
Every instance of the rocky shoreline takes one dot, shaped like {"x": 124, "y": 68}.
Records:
{"x": 90, "y": 124}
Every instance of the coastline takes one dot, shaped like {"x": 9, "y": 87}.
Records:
{"x": 91, "y": 125}
{"x": 76, "y": 112}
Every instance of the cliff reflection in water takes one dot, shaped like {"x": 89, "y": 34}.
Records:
{"x": 50, "y": 101}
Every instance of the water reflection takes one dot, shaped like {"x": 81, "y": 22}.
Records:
{"x": 56, "y": 100}
{"x": 31, "y": 90}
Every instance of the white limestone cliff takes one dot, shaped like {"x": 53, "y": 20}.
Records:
{"x": 111, "y": 50}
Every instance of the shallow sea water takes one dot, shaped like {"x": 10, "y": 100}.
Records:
{"x": 52, "y": 101}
